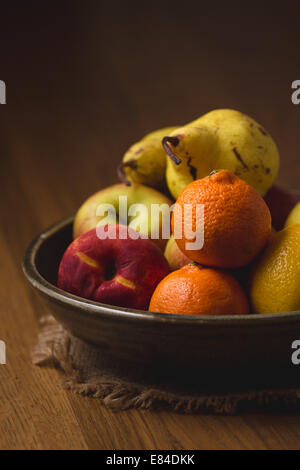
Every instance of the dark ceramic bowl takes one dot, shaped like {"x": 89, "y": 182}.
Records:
{"x": 190, "y": 345}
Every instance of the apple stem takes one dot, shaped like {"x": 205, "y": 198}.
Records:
{"x": 173, "y": 141}
{"x": 121, "y": 173}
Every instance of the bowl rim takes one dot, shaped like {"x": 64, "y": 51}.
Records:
{"x": 91, "y": 308}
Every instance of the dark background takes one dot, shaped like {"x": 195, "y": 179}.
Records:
{"x": 85, "y": 79}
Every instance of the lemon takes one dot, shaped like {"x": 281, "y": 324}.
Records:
{"x": 294, "y": 216}
{"x": 275, "y": 279}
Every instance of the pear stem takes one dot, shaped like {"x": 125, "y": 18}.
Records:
{"x": 121, "y": 173}
{"x": 173, "y": 141}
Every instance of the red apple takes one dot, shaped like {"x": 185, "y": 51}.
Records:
{"x": 116, "y": 271}
{"x": 280, "y": 202}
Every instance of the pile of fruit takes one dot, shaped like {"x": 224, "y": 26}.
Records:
{"x": 249, "y": 259}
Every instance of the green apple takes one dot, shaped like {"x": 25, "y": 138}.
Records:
{"x": 142, "y": 208}
{"x": 294, "y": 216}
{"x": 174, "y": 255}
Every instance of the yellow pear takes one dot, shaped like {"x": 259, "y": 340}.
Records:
{"x": 145, "y": 161}
{"x": 221, "y": 139}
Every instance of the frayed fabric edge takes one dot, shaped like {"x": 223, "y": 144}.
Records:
{"x": 53, "y": 350}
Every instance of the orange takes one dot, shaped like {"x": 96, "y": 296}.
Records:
{"x": 237, "y": 221}
{"x": 198, "y": 290}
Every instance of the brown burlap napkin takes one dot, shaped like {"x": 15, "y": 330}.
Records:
{"x": 83, "y": 373}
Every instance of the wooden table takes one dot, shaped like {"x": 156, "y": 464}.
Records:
{"x": 84, "y": 82}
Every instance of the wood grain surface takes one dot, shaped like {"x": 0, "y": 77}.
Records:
{"x": 84, "y": 80}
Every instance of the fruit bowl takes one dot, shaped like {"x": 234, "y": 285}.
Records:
{"x": 140, "y": 344}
